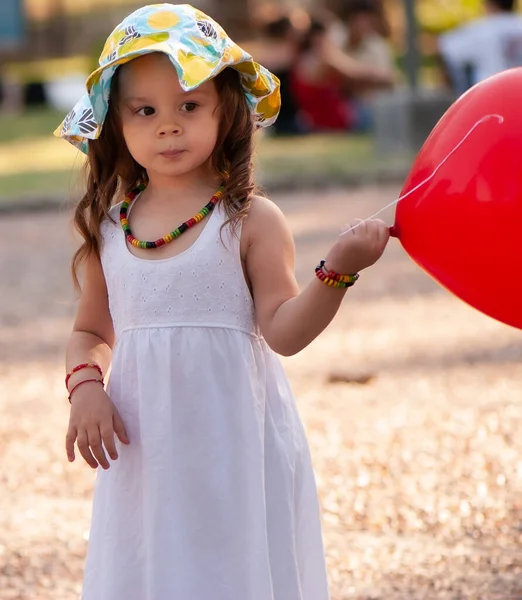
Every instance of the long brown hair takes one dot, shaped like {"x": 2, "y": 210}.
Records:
{"x": 111, "y": 171}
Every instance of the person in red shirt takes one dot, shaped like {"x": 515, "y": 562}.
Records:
{"x": 319, "y": 81}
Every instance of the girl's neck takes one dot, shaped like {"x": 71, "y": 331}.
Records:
{"x": 163, "y": 188}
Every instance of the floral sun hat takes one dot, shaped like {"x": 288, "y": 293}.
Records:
{"x": 197, "y": 46}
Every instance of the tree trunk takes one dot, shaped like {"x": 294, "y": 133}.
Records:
{"x": 412, "y": 57}
{"x": 57, "y": 28}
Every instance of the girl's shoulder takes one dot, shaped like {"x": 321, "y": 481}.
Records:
{"x": 264, "y": 213}
{"x": 264, "y": 224}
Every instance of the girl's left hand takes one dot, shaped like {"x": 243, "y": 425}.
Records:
{"x": 358, "y": 248}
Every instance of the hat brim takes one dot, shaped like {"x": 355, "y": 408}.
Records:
{"x": 261, "y": 88}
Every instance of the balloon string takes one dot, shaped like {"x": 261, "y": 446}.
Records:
{"x": 498, "y": 118}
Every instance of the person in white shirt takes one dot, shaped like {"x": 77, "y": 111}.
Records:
{"x": 367, "y": 44}
{"x": 484, "y": 47}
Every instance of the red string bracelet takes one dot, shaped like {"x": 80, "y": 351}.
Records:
{"x": 87, "y": 365}
{"x": 81, "y": 383}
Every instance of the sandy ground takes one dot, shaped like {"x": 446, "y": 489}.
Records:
{"x": 419, "y": 465}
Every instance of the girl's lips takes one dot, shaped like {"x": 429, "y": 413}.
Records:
{"x": 172, "y": 153}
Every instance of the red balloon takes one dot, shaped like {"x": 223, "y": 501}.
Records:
{"x": 464, "y": 225}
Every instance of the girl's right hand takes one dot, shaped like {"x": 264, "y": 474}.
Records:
{"x": 94, "y": 419}
{"x": 359, "y": 247}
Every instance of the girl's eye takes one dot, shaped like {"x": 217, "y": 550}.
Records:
{"x": 189, "y": 107}
{"x": 146, "y": 111}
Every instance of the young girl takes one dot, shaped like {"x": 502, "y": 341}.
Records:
{"x": 210, "y": 493}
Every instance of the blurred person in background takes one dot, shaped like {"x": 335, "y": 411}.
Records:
{"x": 368, "y": 30}
{"x": 278, "y": 49}
{"x": 483, "y": 47}
{"x": 322, "y": 76}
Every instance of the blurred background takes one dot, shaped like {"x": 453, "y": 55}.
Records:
{"x": 410, "y": 399}
{"x": 367, "y": 73}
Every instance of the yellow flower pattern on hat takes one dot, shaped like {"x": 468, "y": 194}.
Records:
{"x": 197, "y": 46}
{"x": 144, "y": 42}
{"x": 195, "y": 68}
{"x": 269, "y": 106}
{"x": 232, "y": 54}
{"x": 164, "y": 19}
{"x": 201, "y": 42}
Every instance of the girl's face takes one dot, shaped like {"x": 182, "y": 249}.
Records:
{"x": 169, "y": 132}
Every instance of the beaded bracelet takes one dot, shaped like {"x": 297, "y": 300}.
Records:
{"x": 81, "y": 383}
{"x": 87, "y": 365}
{"x": 333, "y": 279}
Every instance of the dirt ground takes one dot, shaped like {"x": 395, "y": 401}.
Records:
{"x": 418, "y": 459}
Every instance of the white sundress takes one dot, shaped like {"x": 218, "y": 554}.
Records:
{"x": 215, "y": 497}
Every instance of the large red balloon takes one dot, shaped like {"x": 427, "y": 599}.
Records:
{"x": 464, "y": 225}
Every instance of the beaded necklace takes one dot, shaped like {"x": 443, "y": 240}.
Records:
{"x": 206, "y": 210}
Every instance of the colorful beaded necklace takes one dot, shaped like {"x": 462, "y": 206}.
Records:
{"x": 206, "y": 210}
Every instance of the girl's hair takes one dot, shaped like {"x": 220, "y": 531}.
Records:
{"x": 111, "y": 170}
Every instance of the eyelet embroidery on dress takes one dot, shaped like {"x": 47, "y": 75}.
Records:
{"x": 205, "y": 286}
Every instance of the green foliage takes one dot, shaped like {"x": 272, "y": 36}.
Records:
{"x": 29, "y": 124}
{"x": 280, "y": 161}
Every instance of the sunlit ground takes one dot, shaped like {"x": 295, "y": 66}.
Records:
{"x": 419, "y": 469}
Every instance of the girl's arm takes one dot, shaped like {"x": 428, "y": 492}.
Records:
{"x": 289, "y": 319}
{"x": 92, "y": 337}
{"x": 94, "y": 419}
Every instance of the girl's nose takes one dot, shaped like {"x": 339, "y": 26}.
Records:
{"x": 168, "y": 129}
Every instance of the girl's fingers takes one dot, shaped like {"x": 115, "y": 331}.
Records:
{"x": 383, "y": 231}
{"x": 119, "y": 428}
{"x": 96, "y": 447}
{"x": 379, "y": 229}
{"x": 385, "y": 234}
{"x": 70, "y": 438}
{"x": 378, "y": 232}
{"x": 85, "y": 451}
{"x": 352, "y": 227}
{"x": 359, "y": 226}
{"x": 346, "y": 229}
{"x": 370, "y": 227}
{"x": 107, "y": 435}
